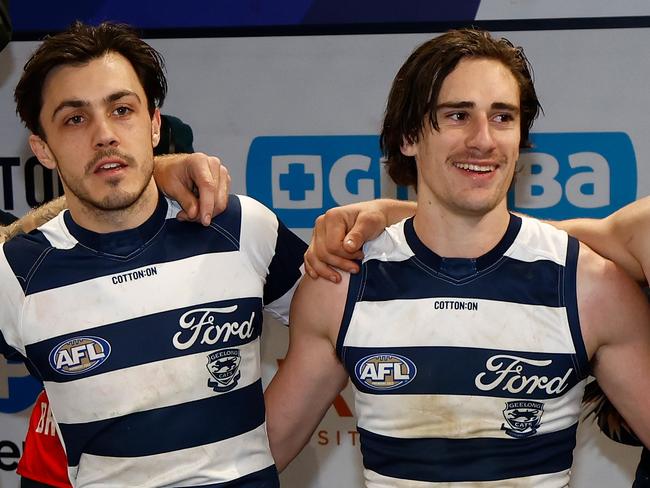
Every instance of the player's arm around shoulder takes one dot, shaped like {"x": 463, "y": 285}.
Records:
{"x": 623, "y": 237}
{"x": 35, "y": 218}
{"x": 311, "y": 375}
{"x": 615, "y": 323}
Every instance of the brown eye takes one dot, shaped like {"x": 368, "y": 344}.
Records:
{"x": 74, "y": 120}
{"x": 122, "y": 111}
{"x": 503, "y": 117}
{"x": 458, "y": 116}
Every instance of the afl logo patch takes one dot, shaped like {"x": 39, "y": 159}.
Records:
{"x": 385, "y": 371}
{"x": 79, "y": 355}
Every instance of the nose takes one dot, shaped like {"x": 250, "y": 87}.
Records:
{"x": 104, "y": 136}
{"x": 480, "y": 135}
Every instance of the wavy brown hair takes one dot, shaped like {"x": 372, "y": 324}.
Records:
{"x": 414, "y": 95}
{"x": 79, "y": 45}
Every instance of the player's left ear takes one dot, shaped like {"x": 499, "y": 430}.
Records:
{"x": 155, "y": 128}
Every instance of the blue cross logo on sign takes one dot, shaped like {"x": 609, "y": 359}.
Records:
{"x": 564, "y": 175}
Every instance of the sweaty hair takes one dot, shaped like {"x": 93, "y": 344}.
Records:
{"x": 414, "y": 94}
{"x": 79, "y": 45}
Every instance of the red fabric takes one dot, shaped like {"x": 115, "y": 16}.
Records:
{"x": 43, "y": 458}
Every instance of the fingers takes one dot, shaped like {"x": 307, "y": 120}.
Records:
{"x": 172, "y": 178}
{"x": 198, "y": 182}
{"x": 204, "y": 171}
{"x": 188, "y": 202}
{"x": 325, "y": 253}
{"x": 212, "y": 181}
{"x": 181, "y": 190}
{"x": 329, "y": 239}
{"x": 223, "y": 189}
{"x": 338, "y": 239}
{"x": 182, "y": 216}
{"x": 367, "y": 226}
{"x": 316, "y": 268}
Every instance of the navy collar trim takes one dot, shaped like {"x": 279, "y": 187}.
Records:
{"x": 121, "y": 243}
{"x": 459, "y": 268}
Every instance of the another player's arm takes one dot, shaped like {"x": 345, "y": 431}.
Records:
{"x": 623, "y": 237}
{"x": 184, "y": 176}
{"x": 310, "y": 376}
{"x": 340, "y": 233}
{"x": 176, "y": 175}
{"x": 33, "y": 219}
{"x": 615, "y": 321}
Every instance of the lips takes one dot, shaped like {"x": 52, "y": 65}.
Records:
{"x": 479, "y": 168}
{"x": 111, "y": 164}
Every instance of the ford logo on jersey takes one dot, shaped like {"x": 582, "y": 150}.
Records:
{"x": 79, "y": 355}
{"x": 385, "y": 371}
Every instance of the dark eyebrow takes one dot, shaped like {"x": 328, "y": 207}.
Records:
{"x": 463, "y": 104}
{"x": 121, "y": 94}
{"x": 459, "y": 104}
{"x": 505, "y": 106}
{"x": 69, "y": 103}
{"x": 75, "y": 103}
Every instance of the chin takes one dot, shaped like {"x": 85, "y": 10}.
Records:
{"x": 115, "y": 199}
{"x": 116, "y": 202}
{"x": 477, "y": 209}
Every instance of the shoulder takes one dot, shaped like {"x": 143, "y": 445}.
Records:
{"x": 610, "y": 303}
{"x": 25, "y": 251}
{"x": 390, "y": 245}
{"x": 260, "y": 234}
{"x": 628, "y": 232}
{"x": 252, "y": 207}
{"x": 539, "y": 240}
{"x": 248, "y": 215}
{"x": 25, "y": 256}
{"x": 318, "y": 305}
{"x": 243, "y": 220}
{"x": 599, "y": 277}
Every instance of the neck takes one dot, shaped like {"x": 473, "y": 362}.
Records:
{"x": 103, "y": 221}
{"x": 456, "y": 234}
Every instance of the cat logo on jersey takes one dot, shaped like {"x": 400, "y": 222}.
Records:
{"x": 385, "y": 371}
{"x": 224, "y": 368}
{"x": 79, "y": 355}
{"x": 523, "y": 417}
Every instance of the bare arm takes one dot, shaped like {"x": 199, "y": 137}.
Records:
{"x": 623, "y": 237}
{"x": 340, "y": 233}
{"x": 615, "y": 322}
{"x": 33, "y": 219}
{"x": 311, "y": 375}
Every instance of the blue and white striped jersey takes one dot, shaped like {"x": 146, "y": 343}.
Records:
{"x": 467, "y": 371}
{"x": 147, "y": 341}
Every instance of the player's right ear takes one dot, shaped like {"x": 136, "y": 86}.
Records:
{"x": 409, "y": 148}
{"x": 42, "y": 151}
